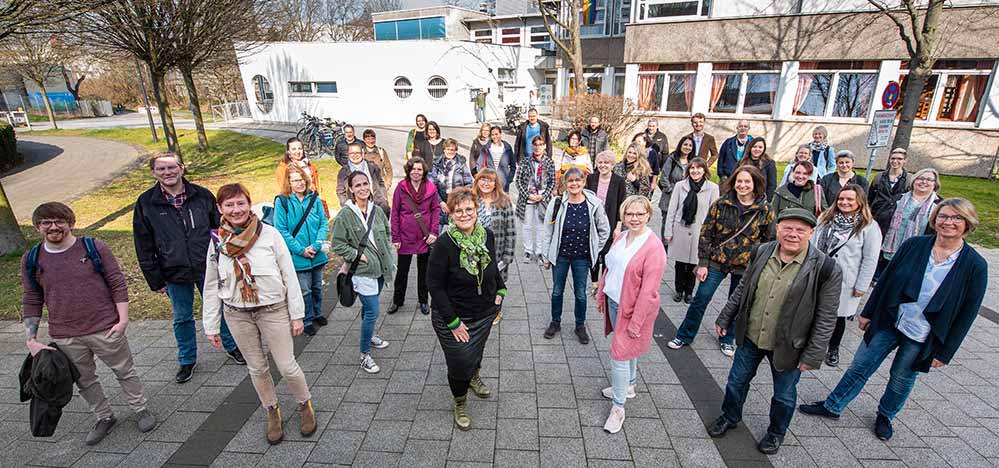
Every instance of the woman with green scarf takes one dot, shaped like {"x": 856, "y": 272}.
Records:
{"x": 467, "y": 291}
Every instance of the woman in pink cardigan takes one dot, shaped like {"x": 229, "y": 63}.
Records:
{"x": 628, "y": 298}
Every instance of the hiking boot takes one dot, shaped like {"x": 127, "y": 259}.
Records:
{"x": 378, "y": 343}
{"x": 275, "y": 428}
{"x": 478, "y": 387}
{"x": 687, "y": 298}
{"x": 101, "y": 429}
{"x": 552, "y": 329}
{"x": 306, "y": 418}
{"x": 368, "y": 364}
{"x": 186, "y": 372}
{"x": 676, "y": 343}
{"x": 310, "y": 330}
{"x": 237, "y": 356}
{"x": 393, "y": 309}
{"x": 818, "y": 409}
{"x": 461, "y": 413}
{"x": 832, "y": 358}
{"x": 145, "y": 420}
{"x": 770, "y": 444}
{"x": 320, "y": 321}
{"x": 581, "y": 334}
{"x": 882, "y": 427}
{"x": 615, "y": 420}
{"x": 608, "y": 392}
{"x": 720, "y": 426}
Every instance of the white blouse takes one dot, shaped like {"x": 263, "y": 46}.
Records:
{"x": 617, "y": 260}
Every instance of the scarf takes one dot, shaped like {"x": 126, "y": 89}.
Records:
{"x": 360, "y": 167}
{"x": 414, "y": 193}
{"x": 818, "y": 150}
{"x": 446, "y": 176}
{"x": 473, "y": 257}
{"x": 841, "y": 226}
{"x": 903, "y": 227}
{"x": 235, "y": 243}
{"x": 690, "y": 202}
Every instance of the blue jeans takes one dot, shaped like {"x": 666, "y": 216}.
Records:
{"x": 369, "y": 315}
{"x": 580, "y": 277}
{"x": 695, "y": 313}
{"x": 182, "y": 299}
{"x": 865, "y": 363}
{"x": 311, "y": 282}
{"x": 480, "y": 114}
{"x": 623, "y": 373}
{"x": 744, "y": 365}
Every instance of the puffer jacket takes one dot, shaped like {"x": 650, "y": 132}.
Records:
{"x": 724, "y": 220}
{"x": 288, "y": 210}
{"x": 671, "y": 173}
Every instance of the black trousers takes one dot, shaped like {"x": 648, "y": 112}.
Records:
{"x": 837, "y": 335}
{"x": 684, "y": 278}
{"x": 463, "y": 359}
{"x": 402, "y": 278}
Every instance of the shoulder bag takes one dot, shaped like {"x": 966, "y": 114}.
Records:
{"x": 417, "y": 214}
{"x": 344, "y": 279}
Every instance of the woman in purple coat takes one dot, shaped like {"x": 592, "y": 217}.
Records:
{"x": 415, "y": 219}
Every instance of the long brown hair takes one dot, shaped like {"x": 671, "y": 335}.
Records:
{"x": 863, "y": 207}
{"x": 747, "y": 158}
{"x": 759, "y": 182}
{"x": 502, "y": 200}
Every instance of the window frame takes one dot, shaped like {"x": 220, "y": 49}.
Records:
{"x": 667, "y": 75}
{"x": 293, "y": 92}
{"x": 419, "y": 28}
{"x": 503, "y": 35}
{"x": 432, "y": 87}
{"x": 396, "y": 87}
{"x": 317, "y": 84}
{"x": 942, "y": 75}
{"x": 484, "y": 39}
{"x": 740, "y": 105}
{"x": 642, "y": 7}
{"x": 830, "y": 105}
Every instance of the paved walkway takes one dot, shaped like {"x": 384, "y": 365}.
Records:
{"x": 66, "y": 166}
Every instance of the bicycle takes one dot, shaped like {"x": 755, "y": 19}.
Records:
{"x": 319, "y": 135}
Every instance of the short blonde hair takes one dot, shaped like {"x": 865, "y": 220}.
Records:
{"x": 925, "y": 170}
{"x": 607, "y": 154}
{"x": 821, "y": 128}
{"x": 636, "y": 200}
{"x": 963, "y": 208}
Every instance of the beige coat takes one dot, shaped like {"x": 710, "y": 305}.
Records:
{"x": 683, "y": 239}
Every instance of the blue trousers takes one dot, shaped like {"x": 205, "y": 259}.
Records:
{"x": 311, "y": 282}
{"x": 695, "y": 313}
{"x": 182, "y": 299}
{"x": 747, "y": 360}
{"x": 369, "y": 315}
{"x": 580, "y": 277}
{"x": 865, "y": 363}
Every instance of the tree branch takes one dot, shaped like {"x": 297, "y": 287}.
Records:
{"x": 906, "y": 39}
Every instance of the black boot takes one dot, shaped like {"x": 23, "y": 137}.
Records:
{"x": 770, "y": 444}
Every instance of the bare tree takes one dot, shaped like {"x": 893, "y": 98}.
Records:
{"x": 377, "y": 6}
{"x": 562, "y": 22}
{"x": 292, "y": 20}
{"x": 33, "y": 16}
{"x": 348, "y": 21}
{"x": 917, "y": 27}
{"x": 37, "y": 57}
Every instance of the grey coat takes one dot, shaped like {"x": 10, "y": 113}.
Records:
{"x": 684, "y": 239}
{"x": 808, "y": 315}
{"x": 599, "y": 227}
{"x": 857, "y": 259}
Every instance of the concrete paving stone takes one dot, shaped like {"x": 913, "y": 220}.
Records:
{"x": 641, "y": 406}
{"x": 552, "y": 373}
{"x": 353, "y": 416}
{"x": 548, "y": 355}
{"x": 670, "y": 397}
{"x": 509, "y": 326}
{"x": 406, "y": 381}
{"x": 950, "y": 414}
{"x": 420, "y": 343}
{"x": 863, "y": 444}
{"x": 467, "y": 464}
{"x": 398, "y": 407}
{"x": 683, "y": 423}
{"x": 792, "y": 457}
{"x": 657, "y": 374}
{"x": 593, "y": 412}
{"x": 366, "y": 391}
{"x": 517, "y": 360}
{"x": 558, "y": 422}
{"x": 424, "y": 454}
{"x": 517, "y": 434}
{"x": 828, "y": 451}
{"x": 323, "y": 344}
{"x": 20, "y": 452}
{"x": 956, "y": 452}
{"x": 63, "y": 453}
{"x": 586, "y": 367}
{"x": 923, "y": 423}
{"x": 287, "y": 454}
{"x": 387, "y": 436}
{"x": 474, "y": 445}
{"x": 490, "y": 368}
{"x": 436, "y": 397}
{"x": 482, "y": 412}
{"x": 601, "y": 445}
{"x": 696, "y": 452}
{"x": 809, "y": 426}
{"x": 206, "y": 399}
{"x": 386, "y": 367}
{"x": 438, "y": 374}
{"x": 984, "y": 441}
{"x": 250, "y": 438}
{"x": 231, "y": 459}
{"x": 312, "y": 362}
{"x": 366, "y": 459}
{"x": 150, "y": 454}
{"x": 326, "y": 398}
{"x": 124, "y": 438}
{"x": 518, "y": 405}
{"x": 338, "y": 447}
{"x": 517, "y": 381}
{"x": 563, "y": 452}
{"x": 646, "y": 432}
{"x": 178, "y": 427}
{"x": 413, "y": 361}
{"x": 589, "y": 388}
{"x": 514, "y": 342}
{"x": 654, "y": 458}
{"x": 99, "y": 460}
{"x": 432, "y": 425}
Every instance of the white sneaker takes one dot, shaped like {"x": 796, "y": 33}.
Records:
{"x": 615, "y": 420}
{"x": 675, "y": 343}
{"x": 368, "y": 364}
{"x": 728, "y": 350}
{"x": 608, "y": 392}
{"x": 528, "y": 258}
{"x": 378, "y": 342}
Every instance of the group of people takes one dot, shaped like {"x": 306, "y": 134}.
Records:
{"x": 799, "y": 256}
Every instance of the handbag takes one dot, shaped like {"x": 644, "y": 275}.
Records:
{"x": 344, "y": 278}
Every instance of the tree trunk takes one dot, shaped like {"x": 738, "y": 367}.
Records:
{"x": 11, "y": 238}
{"x": 577, "y": 52}
{"x": 48, "y": 106}
{"x": 192, "y": 95}
{"x": 156, "y": 78}
{"x": 918, "y": 74}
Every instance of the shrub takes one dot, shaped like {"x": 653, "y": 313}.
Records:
{"x": 8, "y": 147}
{"x": 617, "y": 115}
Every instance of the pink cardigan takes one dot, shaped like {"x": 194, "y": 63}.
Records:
{"x": 639, "y": 300}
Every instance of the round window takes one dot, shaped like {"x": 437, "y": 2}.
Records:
{"x": 263, "y": 93}
{"x": 403, "y": 87}
{"x": 437, "y": 87}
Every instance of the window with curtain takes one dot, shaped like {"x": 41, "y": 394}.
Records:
{"x": 925, "y": 97}
{"x": 961, "y": 98}
{"x": 681, "y": 93}
{"x": 510, "y": 36}
{"x": 812, "y": 94}
{"x": 725, "y": 92}
{"x": 854, "y": 94}
{"x": 484, "y": 36}
{"x": 666, "y": 87}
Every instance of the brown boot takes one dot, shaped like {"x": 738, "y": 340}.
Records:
{"x": 275, "y": 429}
{"x": 307, "y": 418}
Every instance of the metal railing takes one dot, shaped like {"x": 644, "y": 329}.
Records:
{"x": 229, "y": 111}
{"x": 16, "y": 118}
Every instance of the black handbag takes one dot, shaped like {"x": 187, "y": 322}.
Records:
{"x": 344, "y": 279}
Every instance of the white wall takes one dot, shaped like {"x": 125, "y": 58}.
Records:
{"x": 365, "y": 73}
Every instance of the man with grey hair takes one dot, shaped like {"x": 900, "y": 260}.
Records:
{"x": 657, "y": 139}
{"x": 832, "y": 182}
{"x": 732, "y": 150}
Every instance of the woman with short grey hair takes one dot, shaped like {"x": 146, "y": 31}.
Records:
{"x": 832, "y": 183}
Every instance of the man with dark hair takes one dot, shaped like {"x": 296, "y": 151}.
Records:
{"x": 340, "y": 152}
{"x": 377, "y": 155}
{"x": 594, "y": 139}
{"x": 657, "y": 139}
{"x": 171, "y": 227}
{"x": 525, "y": 136}
{"x": 80, "y": 283}
{"x": 704, "y": 143}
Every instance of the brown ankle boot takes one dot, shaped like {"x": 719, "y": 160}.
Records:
{"x": 307, "y": 418}
{"x": 275, "y": 429}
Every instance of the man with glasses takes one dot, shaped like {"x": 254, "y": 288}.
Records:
{"x": 357, "y": 163}
{"x": 171, "y": 227}
{"x": 341, "y": 150}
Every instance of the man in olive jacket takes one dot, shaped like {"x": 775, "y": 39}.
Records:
{"x": 784, "y": 310}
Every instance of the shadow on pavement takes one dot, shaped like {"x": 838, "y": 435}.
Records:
{"x": 34, "y": 153}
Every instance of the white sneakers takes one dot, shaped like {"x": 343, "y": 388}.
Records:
{"x": 608, "y": 392}
{"x": 615, "y": 421}
{"x": 676, "y": 343}
{"x": 368, "y": 364}
{"x": 378, "y": 343}
{"x": 727, "y": 349}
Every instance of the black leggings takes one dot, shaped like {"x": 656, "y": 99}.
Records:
{"x": 684, "y": 277}
{"x": 837, "y": 335}
{"x": 402, "y": 278}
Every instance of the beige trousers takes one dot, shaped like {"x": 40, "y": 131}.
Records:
{"x": 113, "y": 352}
{"x": 271, "y": 326}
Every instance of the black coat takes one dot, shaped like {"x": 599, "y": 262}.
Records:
{"x": 616, "y": 193}
{"x": 47, "y": 380}
{"x": 831, "y": 187}
{"x": 342, "y": 147}
{"x": 171, "y": 245}
{"x": 454, "y": 292}
{"x": 518, "y": 147}
{"x": 883, "y": 198}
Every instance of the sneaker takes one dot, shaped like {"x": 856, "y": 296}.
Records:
{"x": 392, "y": 309}
{"x": 727, "y": 349}
{"x": 145, "y": 420}
{"x": 310, "y": 330}
{"x": 552, "y": 329}
{"x": 237, "y": 356}
{"x": 581, "y": 334}
{"x": 770, "y": 444}
{"x": 186, "y": 372}
{"x": 719, "y": 427}
{"x": 368, "y": 364}
{"x": 676, "y": 343}
{"x": 528, "y": 258}
{"x": 615, "y": 420}
{"x": 608, "y": 392}
{"x": 320, "y": 321}
{"x": 378, "y": 343}
{"x": 882, "y": 427}
{"x": 677, "y": 296}
{"x": 424, "y": 308}
{"x": 832, "y": 358}
{"x": 818, "y": 409}
{"x": 100, "y": 430}
{"x": 687, "y": 298}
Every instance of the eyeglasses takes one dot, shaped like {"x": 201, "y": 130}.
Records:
{"x": 464, "y": 212}
{"x": 632, "y": 214}
{"x": 47, "y": 223}
{"x": 949, "y": 218}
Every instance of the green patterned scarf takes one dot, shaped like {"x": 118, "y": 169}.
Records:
{"x": 474, "y": 256}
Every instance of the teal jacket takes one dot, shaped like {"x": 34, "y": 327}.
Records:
{"x": 287, "y": 211}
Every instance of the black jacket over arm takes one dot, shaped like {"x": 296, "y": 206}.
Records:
{"x": 453, "y": 290}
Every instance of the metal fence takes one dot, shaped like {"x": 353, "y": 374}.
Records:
{"x": 229, "y": 111}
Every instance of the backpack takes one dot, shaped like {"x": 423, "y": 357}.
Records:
{"x": 32, "y": 261}
{"x": 268, "y": 211}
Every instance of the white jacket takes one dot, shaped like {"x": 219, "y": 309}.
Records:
{"x": 858, "y": 259}
{"x": 273, "y": 271}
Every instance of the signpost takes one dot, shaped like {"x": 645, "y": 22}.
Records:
{"x": 882, "y": 124}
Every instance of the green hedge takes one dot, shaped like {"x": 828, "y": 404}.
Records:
{"x": 8, "y": 147}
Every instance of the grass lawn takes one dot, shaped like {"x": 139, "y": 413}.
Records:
{"x": 106, "y": 213}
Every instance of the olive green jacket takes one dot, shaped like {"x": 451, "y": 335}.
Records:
{"x": 348, "y": 229}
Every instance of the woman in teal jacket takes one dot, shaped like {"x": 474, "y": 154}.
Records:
{"x": 299, "y": 204}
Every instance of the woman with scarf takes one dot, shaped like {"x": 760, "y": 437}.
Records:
{"x": 693, "y": 196}
{"x": 848, "y": 233}
{"x": 535, "y": 185}
{"x": 496, "y": 215}
{"x": 248, "y": 277}
{"x": 358, "y": 216}
{"x": 823, "y": 155}
{"x": 673, "y": 170}
{"x": 912, "y": 213}
{"x": 416, "y": 135}
{"x": 432, "y": 146}
{"x": 759, "y": 159}
{"x": 294, "y": 153}
{"x": 468, "y": 289}
{"x": 449, "y": 172}
{"x": 636, "y": 172}
{"x": 415, "y": 221}
{"x": 801, "y": 192}
{"x": 575, "y": 155}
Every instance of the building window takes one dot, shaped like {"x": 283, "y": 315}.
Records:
{"x": 263, "y": 93}
{"x": 618, "y": 81}
{"x": 592, "y": 17}
{"x": 669, "y": 9}
{"x": 962, "y": 97}
{"x": 594, "y": 78}
{"x": 403, "y": 87}
{"x": 623, "y": 17}
{"x": 301, "y": 87}
{"x": 385, "y": 31}
{"x": 410, "y": 29}
{"x": 505, "y": 75}
{"x": 854, "y": 94}
{"x": 667, "y": 88}
{"x": 744, "y": 88}
{"x": 437, "y": 87}
{"x": 326, "y": 87}
{"x": 954, "y": 92}
{"x": 825, "y": 92}
{"x": 539, "y": 37}
{"x": 510, "y": 36}
{"x": 484, "y": 36}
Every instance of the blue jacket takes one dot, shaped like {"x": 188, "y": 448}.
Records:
{"x": 728, "y": 157}
{"x": 287, "y": 211}
{"x": 950, "y": 312}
